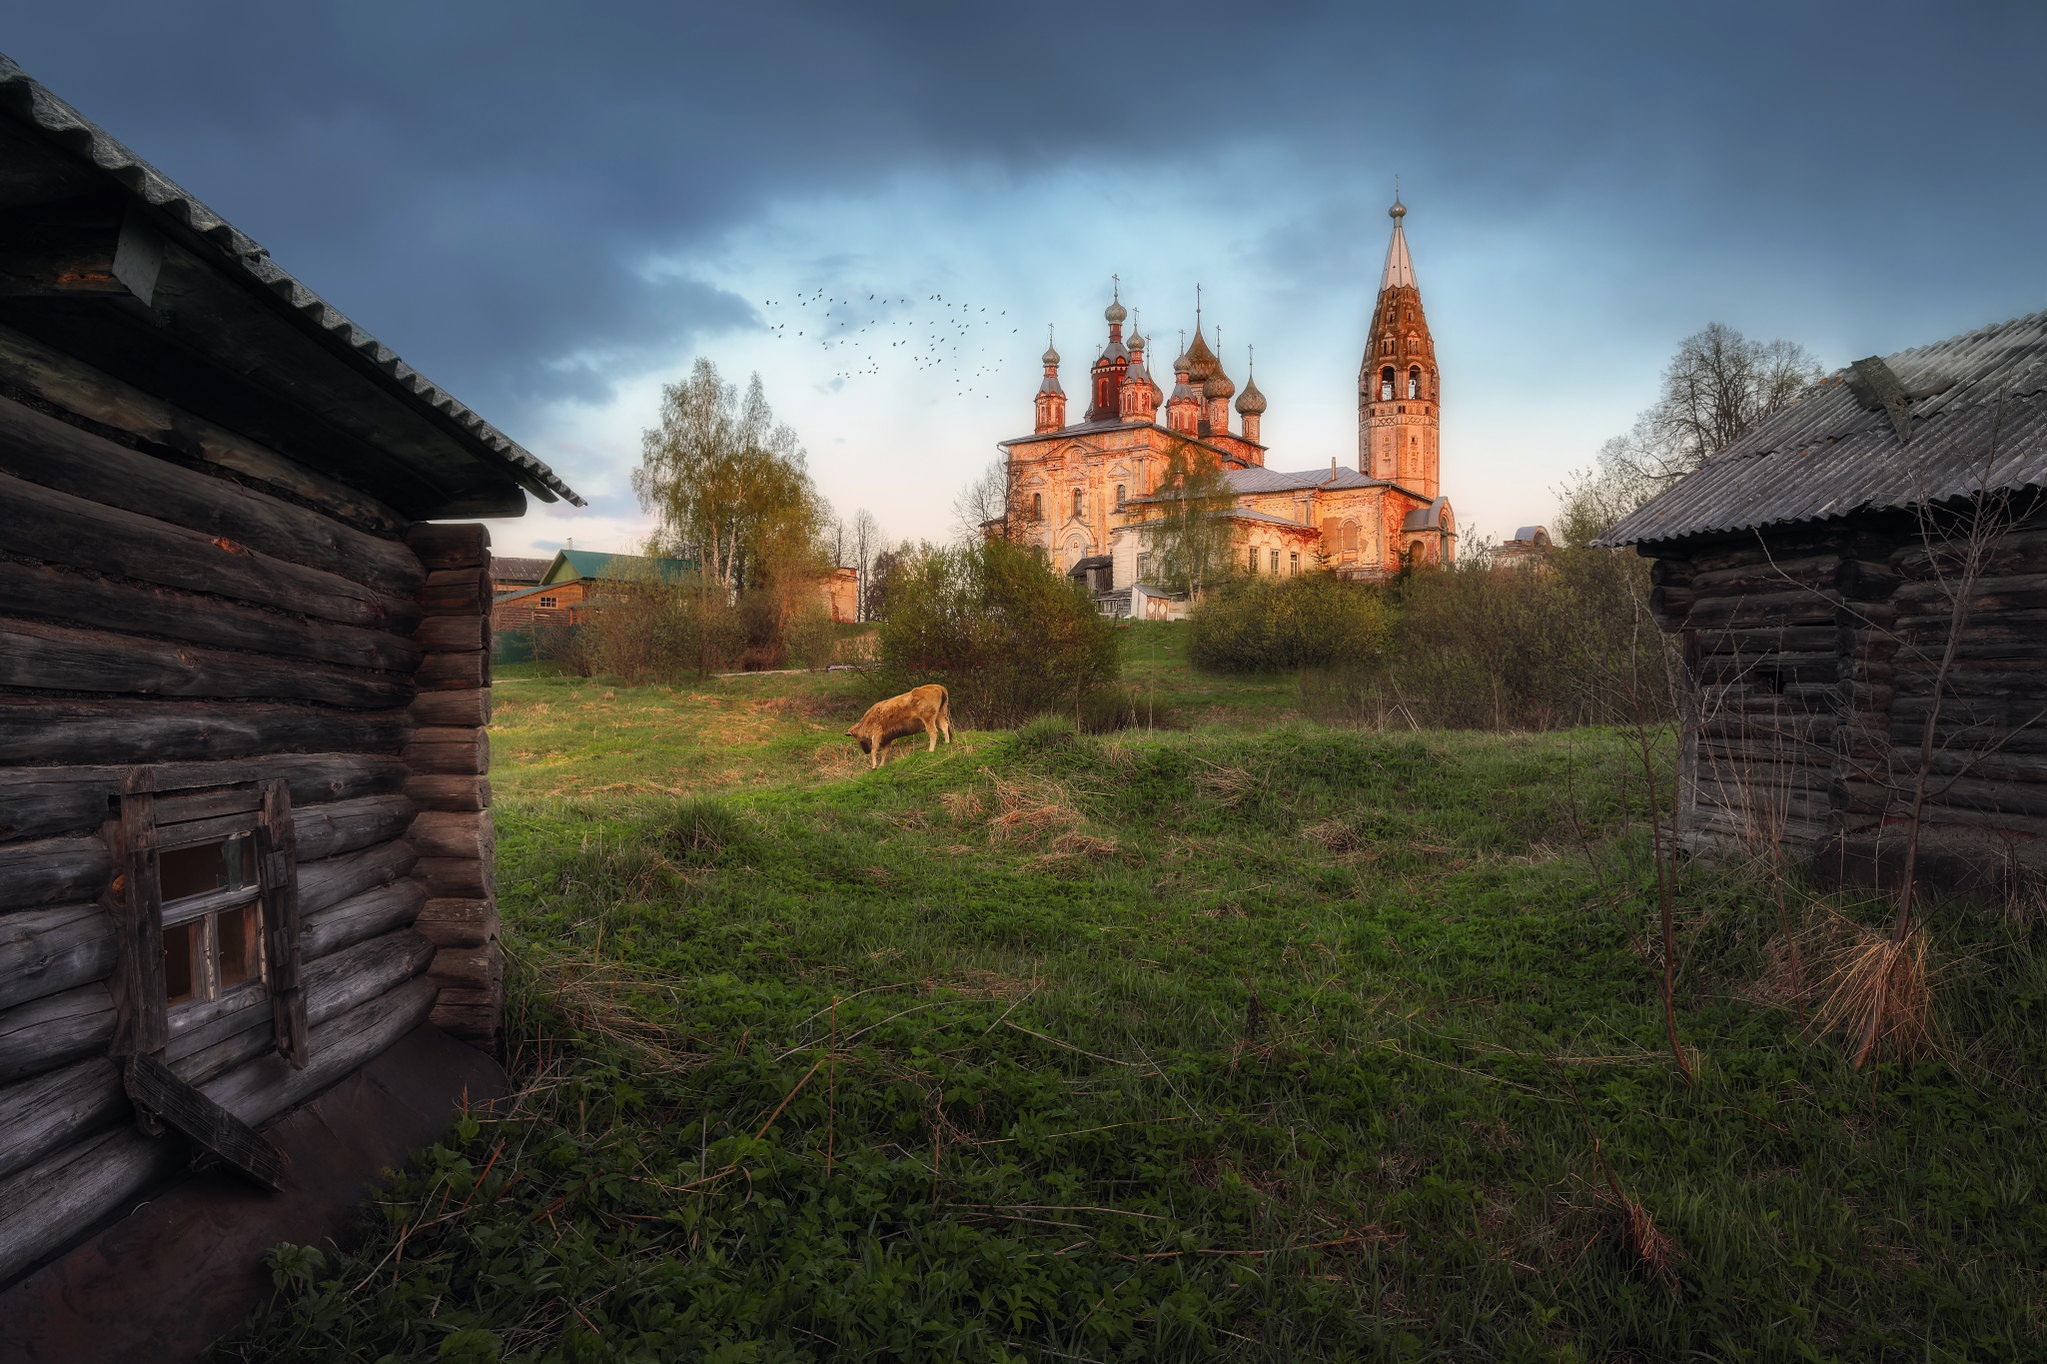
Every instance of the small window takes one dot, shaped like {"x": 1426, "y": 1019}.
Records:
{"x": 1293, "y": 563}
{"x": 1037, "y": 506}
{"x": 547, "y": 601}
{"x": 1253, "y": 565}
{"x": 1119, "y": 497}
{"x": 1076, "y": 502}
{"x": 1386, "y": 384}
{"x": 212, "y": 919}
{"x": 1275, "y": 561}
{"x": 1414, "y": 383}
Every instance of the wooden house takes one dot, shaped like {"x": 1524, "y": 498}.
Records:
{"x": 510, "y": 573}
{"x": 1860, "y": 585}
{"x": 573, "y": 576}
{"x": 245, "y": 838}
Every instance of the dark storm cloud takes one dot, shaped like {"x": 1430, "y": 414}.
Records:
{"x": 482, "y": 184}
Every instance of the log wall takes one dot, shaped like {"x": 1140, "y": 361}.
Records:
{"x": 1818, "y": 657}
{"x": 175, "y": 596}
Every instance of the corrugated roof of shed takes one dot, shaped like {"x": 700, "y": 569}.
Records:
{"x": 1828, "y": 455}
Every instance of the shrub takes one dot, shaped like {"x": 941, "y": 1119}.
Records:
{"x": 657, "y": 631}
{"x": 1045, "y": 733}
{"x": 1475, "y": 647}
{"x": 1260, "y": 625}
{"x": 1007, "y": 636}
{"x": 1106, "y": 709}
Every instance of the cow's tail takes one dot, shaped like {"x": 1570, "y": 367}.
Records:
{"x": 945, "y": 713}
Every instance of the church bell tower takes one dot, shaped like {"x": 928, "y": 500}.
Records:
{"x": 1399, "y": 390}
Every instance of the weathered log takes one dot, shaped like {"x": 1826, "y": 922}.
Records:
{"x": 452, "y": 634}
{"x": 50, "y": 871}
{"x": 1759, "y": 571}
{"x": 59, "y": 379}
{"x": 453, "y": 672}
{"x": 67, "y": 596}
{"x": 38, "y": 731}
{"x": 449, "y": 749}
{"x": 360, "y": 917}
{"x": 1771, "y": 608}
{"x": 43, "y": 951}
{"x": 57, "y": 528}
{"x": 453, "y": 834}
{"x": 443, "y": 546}
{"x": 346, "y": 825}
{"x": 67, "y": 458}
{"x": 455, "y": 877}
{"x": 458, "y": 922}
{"x": 328, "y": 882}
{"x": 34, "y": 654}
{"x": 47, "y": 1205}
{"x": 268, "y": 1085}
{"x": 457, "y": 592}
{"x": 54, "y": 1030}
{"x": 473, "y": 1021}
{"x": 456, "y": 708}
{"x": 44, "y": 800}
{"x": 444, "y": 791}
{"x": 48, "y": 1112}
{"x": 474, "y": 968}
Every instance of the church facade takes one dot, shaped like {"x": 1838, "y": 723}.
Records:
{"x": 1086, "y": 491}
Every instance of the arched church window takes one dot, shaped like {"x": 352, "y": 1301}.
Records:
{"x": 1386, "y": 384}
{"x": 1119, "y": 497}
{"x": 1037, "y": 506}
{"x": 1076, "y": 502}
{"x": 1275, "y": 561}
{"x": 1252, "y": 566}
{"x": 1414, "y": 383}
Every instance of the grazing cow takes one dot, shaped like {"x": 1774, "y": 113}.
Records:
{"x": 926, "y": 708}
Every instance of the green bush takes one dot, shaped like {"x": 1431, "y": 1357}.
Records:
{"x": 1265, "y": 625}
{"x": 992, "y": 622}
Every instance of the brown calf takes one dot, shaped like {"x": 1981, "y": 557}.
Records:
{"x": 925, "y": 709}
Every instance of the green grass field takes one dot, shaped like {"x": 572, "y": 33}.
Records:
{"x": 1246, "y": 1039}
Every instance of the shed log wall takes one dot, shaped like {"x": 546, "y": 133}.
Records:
{"x": 1817, "y": 652}
{"x": 173, "y": 595}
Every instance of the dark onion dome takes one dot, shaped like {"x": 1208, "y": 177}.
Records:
{"x": 1116, "y": 312}
{"x": 1135, "y": 342}
{"x": 1217, "y": 385}
{"x": 1201, "y": 361}
{"x": 1251, "y": 402}
{"x": 1181, "y": 362}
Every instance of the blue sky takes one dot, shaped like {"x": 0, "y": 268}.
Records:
{"x": 551, "y": 209}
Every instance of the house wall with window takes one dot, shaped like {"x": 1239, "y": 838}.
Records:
{"x": 245, "y": 841}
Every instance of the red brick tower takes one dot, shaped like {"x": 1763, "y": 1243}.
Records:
{"x": 1051, "y": 397}
{"x": 1399, "y": 389}
{"x": 1110, "y": 365}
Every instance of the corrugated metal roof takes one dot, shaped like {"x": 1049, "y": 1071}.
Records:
{"x": 42, "y": 110}
{"x": 1828, "y": 455}
{"x": 504, "y": 568}
{"x": 1262, "y": 480}
{"x": 569, "y": 565}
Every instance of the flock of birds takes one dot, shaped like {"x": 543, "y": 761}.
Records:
{"x": 932, "y": 333}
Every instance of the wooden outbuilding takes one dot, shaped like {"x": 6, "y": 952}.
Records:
{"x": 245, "y": 837}
{"x": 1860, "y": 585}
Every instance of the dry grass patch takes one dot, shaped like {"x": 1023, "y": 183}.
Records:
{"x": 1030, "y": 807}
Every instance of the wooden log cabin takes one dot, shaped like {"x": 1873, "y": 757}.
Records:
{"x": 1860, "y": 585}
{"x": 245, "y": 836}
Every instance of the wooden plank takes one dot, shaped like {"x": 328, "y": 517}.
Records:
{"x": 65, "y": 595}
{"x": 452, "y": 634}
{"x": 37, "y": 731}
{"x": 55, "y": 1030}
{"x": 48, "y": 1112}
{"x": 449, "y": 750}
{"x": 52, "y": 871}
{"x": 41, "y": 523}
{"x": 453, "y": 672}
{"x": 43, "y": 951}
{"x": 183, "y": 807}
{"x": 44, "y": 1207}
{"x": 66, "y": 458}
{"x": 35, "y": 801}
{"x": 442, "y": 547}
{"x": 117, "y": 407}
{"x": 443, "y": 791}
{"x": 360, "y": 917}
{"x": 458, "y": 922}
{"x": 153, "y": 1089}
{"x": 277, "y": 865}
{"x": 137, "y": 985}
{"x": 452, "y": 708}
{"x": 328, "y": 882}
{"x": 38, "y": 655}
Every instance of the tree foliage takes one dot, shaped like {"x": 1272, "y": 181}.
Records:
{"x": 1187, "y": 536}
{"x": 991, "y": 621}
{"x": 1718, "y": 387}
{"x": 1279, "y": 624}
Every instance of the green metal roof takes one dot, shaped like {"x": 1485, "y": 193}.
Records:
{"x": 589, "y": 565}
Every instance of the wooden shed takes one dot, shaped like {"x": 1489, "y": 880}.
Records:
{"x": 245, "y": 840}
{"x": 1861, "y": 588}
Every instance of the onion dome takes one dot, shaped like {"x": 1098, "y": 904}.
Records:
{"x": 1217, "y": 385}
{"x": 1115, "y": 313}
{"x": 1135, "y": 342}
{"x": 1251, "y": 402}
{"x": 1201, "y": 361}
{"x": 1181, "y": 362}
{"x": 1051, "y": 357}
{"x": 1398, "y": 211}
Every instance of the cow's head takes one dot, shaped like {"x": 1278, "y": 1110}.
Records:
{"x": 866, "y": 745}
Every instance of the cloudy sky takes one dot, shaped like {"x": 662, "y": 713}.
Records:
{"x": 551, "y": 209}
